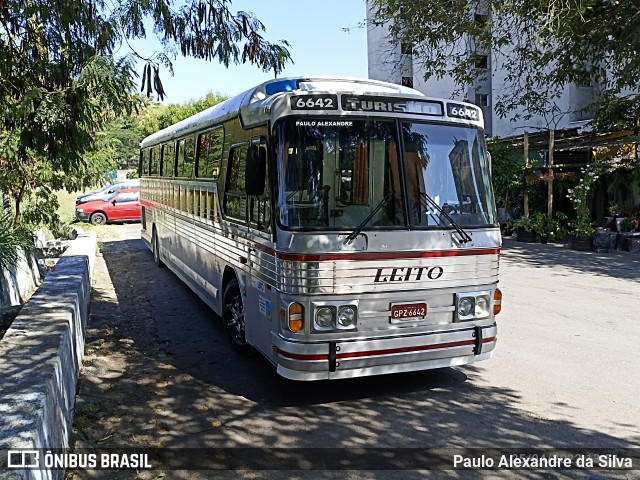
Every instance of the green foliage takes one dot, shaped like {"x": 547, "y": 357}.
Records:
{"x": 507, "y": 174}
{"x": 535, "y": 223}
{"x": 156, "y": 117}
{"x": 12, "y": 240}
{"x": 613, "y": 112}
{"x": 540, "y": 46}
{"x": 66, "y": 101}
{"x": 580, "y": 195}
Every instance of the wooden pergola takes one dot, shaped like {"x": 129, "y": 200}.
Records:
{"x": 568, "y": 140}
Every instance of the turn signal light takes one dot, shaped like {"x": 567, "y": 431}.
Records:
{"x": 497, "y": 301}
{"x": 296, "y": 317}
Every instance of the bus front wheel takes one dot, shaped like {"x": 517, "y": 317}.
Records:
{"x": 233, "y": 318}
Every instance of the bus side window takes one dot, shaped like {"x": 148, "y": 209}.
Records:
{"x": 185, "y": 157}
{"x": 210, "y": 154}
{"x": 168, "y": 159}
{"x": 260, "y": 207}
{"x": 235, "y": 200}
{"x": 154, "y": 160}
{"x": 144, "y": 162}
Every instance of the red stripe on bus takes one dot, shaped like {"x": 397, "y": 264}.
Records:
{"x": 302, "y": 356}
{"x": 388, "y": 351}
{"x": 296, "y": 257}
{"x": 421, "y": 348}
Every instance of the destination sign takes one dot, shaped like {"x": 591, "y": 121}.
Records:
{"x": 314, "y": 102}
{"x": 457, "y": 110}
{"x": 378, "y": 104}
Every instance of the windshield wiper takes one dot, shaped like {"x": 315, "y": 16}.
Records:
{"x": 359, "y": 228}
{"x": 465, "y": 238}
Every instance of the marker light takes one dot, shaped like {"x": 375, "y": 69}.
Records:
{"x": 497, "y": 301}
{"x": 296, "y": 317}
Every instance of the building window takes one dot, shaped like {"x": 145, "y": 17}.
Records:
{"x": 482, "y": 99}
{"x": 481, "y": 61}
{"x": 406, "y": 48}
{"x": 407, "y": 82}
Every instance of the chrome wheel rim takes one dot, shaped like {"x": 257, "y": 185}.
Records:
{"x": 235, "y": 318}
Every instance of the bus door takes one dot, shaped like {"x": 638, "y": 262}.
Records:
{"x": 260, "y": 315}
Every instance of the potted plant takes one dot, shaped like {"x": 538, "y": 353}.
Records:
{"x": 540, "y": 225}
{"x": 631, "y": 229}
{"x": 582, "y": 227}
{"x": 555, "y": 231}
{"x": 525, "y": 229}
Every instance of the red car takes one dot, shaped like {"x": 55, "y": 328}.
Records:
{"x": 121, "y": 206}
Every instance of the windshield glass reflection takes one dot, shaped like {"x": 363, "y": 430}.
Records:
{"x": 333, "y": 173}
{"x": 448, "y": 164}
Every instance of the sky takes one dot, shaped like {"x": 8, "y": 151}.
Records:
{"x": 314, "y": 29}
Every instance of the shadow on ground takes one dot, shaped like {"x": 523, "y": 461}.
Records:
{"x": 159, "y": 373}
{"x": 617, "y": 264}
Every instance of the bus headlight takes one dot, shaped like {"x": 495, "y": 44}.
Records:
{"x": 473, "y": 306}
{"x": 347, "y": 317}
{"x": 324, "y": 318}
{"x": 482, "y": 306}
{"x": 466, "y": 306}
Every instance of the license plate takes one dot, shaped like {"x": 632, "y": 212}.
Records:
{"x": 400, "y": 311}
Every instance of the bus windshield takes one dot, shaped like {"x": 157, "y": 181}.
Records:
{"x": 447, "y": 166}
{"x": 334, "y": 173}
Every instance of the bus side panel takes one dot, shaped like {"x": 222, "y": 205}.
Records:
{"x": 262, "y": 305}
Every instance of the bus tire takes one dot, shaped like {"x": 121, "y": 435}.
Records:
{"x": 233, "y": 318}
{"x": 155, "y": 240}
{"x": 98, "y": 218}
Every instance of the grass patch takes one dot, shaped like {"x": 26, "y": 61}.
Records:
{"x": 67, "y": 213}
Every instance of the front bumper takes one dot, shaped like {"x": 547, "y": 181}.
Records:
{"x": 355, "y": 358}
{"x": 83, "y": 216}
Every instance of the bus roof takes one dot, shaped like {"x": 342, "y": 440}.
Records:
{"x": 251, "y": 104}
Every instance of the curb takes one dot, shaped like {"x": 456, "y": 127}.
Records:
{"x": 40, "y": 357}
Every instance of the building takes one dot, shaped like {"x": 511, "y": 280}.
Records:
{"x": 396, "y": 63}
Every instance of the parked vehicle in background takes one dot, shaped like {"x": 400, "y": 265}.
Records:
{"x": 107, "y": 190}
{"x": 120, "y": 206}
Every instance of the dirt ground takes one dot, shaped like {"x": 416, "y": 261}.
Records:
{"x": 123, "y": 366}
{"x": 158, "y": 373}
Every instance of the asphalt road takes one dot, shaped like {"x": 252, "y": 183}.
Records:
{"x": 159, "y": 373}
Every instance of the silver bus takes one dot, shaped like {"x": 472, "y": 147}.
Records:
{"x": 341, "y": 227}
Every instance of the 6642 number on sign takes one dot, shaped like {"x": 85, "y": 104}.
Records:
{"x": 314, "y": 102}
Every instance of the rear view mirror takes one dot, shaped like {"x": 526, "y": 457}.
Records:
{"x": 255, "y": 170}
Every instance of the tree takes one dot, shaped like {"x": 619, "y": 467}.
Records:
{"x": 60, "y": 82}
{"x": 540, "y": 45}
{"x": 507, "y": 174}
{"x": 156, "y": 117}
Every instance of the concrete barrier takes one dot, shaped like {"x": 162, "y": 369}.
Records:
{"x": 18, "y": 281}
{"x": 40, "y": 359}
